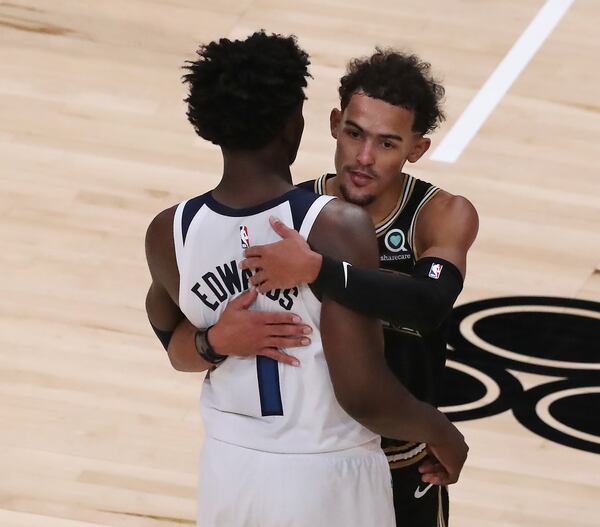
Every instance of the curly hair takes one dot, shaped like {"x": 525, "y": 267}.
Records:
{"x": 400, "y": 79}
{"x": 241, "y": 92}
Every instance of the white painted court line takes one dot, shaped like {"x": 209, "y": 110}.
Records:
{"x": 467, "y": 125}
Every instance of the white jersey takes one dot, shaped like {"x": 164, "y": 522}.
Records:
{"x": 257, "y": 402}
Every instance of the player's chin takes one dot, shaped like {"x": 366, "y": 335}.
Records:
{"x": 358, "y": 196}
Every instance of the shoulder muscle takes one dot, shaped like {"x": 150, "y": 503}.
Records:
{"x": 345, "y": 232}
{"x": 160, "y": 252}
{"x": 447, "y": 218}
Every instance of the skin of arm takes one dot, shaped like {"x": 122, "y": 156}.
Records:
{"x": 447, "y": 228}
{"x": 353, "y": 346}
{"x": 162, "y": 298}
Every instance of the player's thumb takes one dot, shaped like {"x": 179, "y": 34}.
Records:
{"x": 246, "y": 299}
{"x": 280, "y": 228}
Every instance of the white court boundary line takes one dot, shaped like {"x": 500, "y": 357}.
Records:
{"x": 483, "y": 104}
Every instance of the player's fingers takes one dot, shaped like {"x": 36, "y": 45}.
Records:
{"x": 280, "y": 228}
{"x": 258, "y": 278}
{"x": 279, "y": 318}
{"x": 265, "y": 287}
{"x": 289, "y": 330}
{"x": 436, "y": 479}
{"x": 445, "y": 476}
{"x": 245, "y": 300}
{"x": 282, "y": 342}
{"x": 428, "y": 463}
{"x": 288, "y": 342}
{"x": 279, "y": 356}
{"x": 431, "y": 468}
{"x": 250, "y": 263}
{"x": 254, "y": 251}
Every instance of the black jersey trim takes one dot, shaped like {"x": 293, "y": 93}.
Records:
{"x": 190, "y": 209}
{"x": 302, "y": 202}
{"x": 405, "y": 194}
{"x": 302, "y": 198}
{"x": 320, "y": 184}
{"x": 224, "y": 210}
{"x": 431, "y": 192}
{"x": 310, "y": 185}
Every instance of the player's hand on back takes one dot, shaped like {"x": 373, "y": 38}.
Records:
{"x": 446, "y": 459}
{"x": 284, "y": 264}
{"x": 246, "y": 333}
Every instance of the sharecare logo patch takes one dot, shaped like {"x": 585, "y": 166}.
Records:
{"x": 435, "y": 271}
{"x": 245, "y": 239}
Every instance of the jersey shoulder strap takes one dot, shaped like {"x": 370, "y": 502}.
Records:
{"x": 308, "y": 185}
{"x": 316, "y": 185}
{"x": 422, "y": 194}
{"x": 185, "y": 212}
{"x": 312, "y": 214}
{"x": 306, "y": 206}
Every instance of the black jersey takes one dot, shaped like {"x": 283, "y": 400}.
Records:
{"x": 416, "y": 359}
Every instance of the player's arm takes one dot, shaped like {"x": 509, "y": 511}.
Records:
{"x": 445, "y": 230}
{"x": 353, "y": 345}
{"x": 161, "y": 301}
{"x": 246, "y": 333}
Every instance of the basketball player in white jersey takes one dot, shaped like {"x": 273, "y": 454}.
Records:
{"x": 294, "y": 446}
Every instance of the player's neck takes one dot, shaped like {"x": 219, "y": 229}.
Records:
{"x": 250, "y": 179}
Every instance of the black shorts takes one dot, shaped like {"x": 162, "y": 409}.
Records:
{"x": 415, "y": 504}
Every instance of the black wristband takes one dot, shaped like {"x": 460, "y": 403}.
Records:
{"x": 205, "y": 350}
{"x": 163, "y": 336}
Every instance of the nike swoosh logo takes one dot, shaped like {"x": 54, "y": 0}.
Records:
{"x": 420, "y": 493}
{"x": 346, "y": 265}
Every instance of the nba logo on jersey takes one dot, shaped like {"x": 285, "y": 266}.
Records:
{"x": 435, "y": 271}
{"x": 244, "y": 237}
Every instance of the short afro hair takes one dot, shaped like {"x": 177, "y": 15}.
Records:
{"x": 400, "y": 79}
{"x": 241, "y": 92}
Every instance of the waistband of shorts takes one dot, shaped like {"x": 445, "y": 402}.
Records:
{"x": 405, "y": 455}
{"x": 371, "y": 447}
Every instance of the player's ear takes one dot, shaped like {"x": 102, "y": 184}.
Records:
{"x": 420, "y": 146}
{"x": 335, "y": 118}
{"x": 292, "y": 132}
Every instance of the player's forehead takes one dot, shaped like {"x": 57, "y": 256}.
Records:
{"x": 377, "y": 116}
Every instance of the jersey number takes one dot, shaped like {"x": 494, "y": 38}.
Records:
{"x": 267, "y": 371}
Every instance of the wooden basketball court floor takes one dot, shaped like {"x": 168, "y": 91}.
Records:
{"x": 96, "y": 429}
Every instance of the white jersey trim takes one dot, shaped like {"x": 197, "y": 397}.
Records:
{"x": 178, "y": 233}
{"x": 312, "y": 214}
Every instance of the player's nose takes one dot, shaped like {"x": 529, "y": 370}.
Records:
{"x": 365, "y": 155}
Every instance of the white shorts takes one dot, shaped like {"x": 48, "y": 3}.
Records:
{"x": 240, "y": 487}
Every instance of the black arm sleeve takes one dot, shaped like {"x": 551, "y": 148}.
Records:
{"x": 163, "y": 336}
{"x": 420, "y": 301}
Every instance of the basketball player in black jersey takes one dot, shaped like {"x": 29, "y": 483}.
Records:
{"x": 389, "y": 102}
{"x": 257, "y": 153}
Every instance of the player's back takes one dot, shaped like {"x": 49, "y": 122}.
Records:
{"x": 256, "y": 402}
